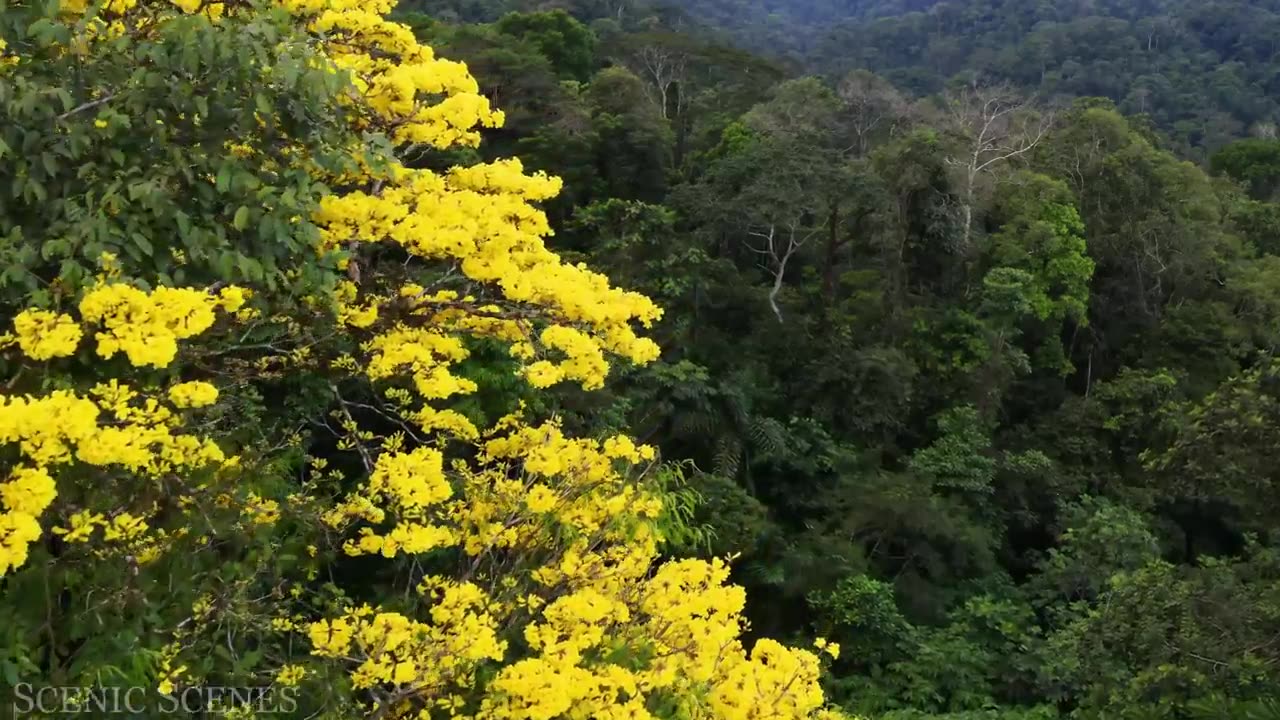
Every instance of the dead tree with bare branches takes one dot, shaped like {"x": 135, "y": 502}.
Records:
{"x": 999, "y": 126}
{"x": 778, "y": 244}
{"x": 664, "y": 68}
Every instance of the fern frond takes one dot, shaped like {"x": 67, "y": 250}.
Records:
{"x": 727, "y": 461}
{"x": 694, "y": 423}
{"x": 768, "y": 435}
{"x": 765, "y": 574}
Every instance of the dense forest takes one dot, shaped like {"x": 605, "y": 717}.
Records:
{"x": 1203, "y": 72}
{"x": 937, "y": 337}
{"x": 971, "y": 364}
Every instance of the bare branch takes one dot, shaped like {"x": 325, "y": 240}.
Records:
{"x": 665, "y": 68}
{"x": 1001, "y": 126}
{"x": 87, "y": 106}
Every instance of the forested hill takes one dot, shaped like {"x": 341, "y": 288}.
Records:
{"x": 1205, "y": 71}
{"x": 790, "y": 27}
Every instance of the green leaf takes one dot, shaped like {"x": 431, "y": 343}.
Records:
{"x": 223, "y": 181}
{"x": 225, "y": 264}
{"x": 51, "y": 248}
{"x": 241, "y": 220}
{"x": 142, "y": 243}
{"x": 184, "y": 226}
{"x": 266, "y": 226}
{"x": 38, "y": 191}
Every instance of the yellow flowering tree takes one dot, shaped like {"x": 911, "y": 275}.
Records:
{"x": 238, "y": 443}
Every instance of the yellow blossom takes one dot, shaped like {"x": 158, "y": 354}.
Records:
{"x": 193, "y": 394}
{"x": 290, "y": 675}
{"x": 44, "y": 335}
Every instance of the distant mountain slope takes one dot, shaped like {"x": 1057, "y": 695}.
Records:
{"x": 789, "y": 28}
{"x": 1205, "y": 71}
{"x": 813, "y": 13}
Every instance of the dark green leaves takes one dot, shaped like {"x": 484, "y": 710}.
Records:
{"x": 143, "y": 149}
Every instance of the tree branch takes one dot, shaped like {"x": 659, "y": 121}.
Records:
{"x": 86, "y": 106}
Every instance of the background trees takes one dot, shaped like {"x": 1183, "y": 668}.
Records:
{"x": 1006, "y": 400}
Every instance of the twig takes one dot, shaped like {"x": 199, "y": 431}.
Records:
{"x": 87, "y": 106}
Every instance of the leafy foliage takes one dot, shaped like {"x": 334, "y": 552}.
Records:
{"x": 974, "y": 379}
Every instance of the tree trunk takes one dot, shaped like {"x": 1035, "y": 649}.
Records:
{"x": 777, "y": 288}
{"x": 968, "y": 218}
{"x": 681, "y": 127}
{"x": 833, "y": 248}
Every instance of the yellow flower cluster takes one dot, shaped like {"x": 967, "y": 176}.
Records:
{"x": 44, "y": 335}
{"x": 409, "y": 485}
{"x": 425, "y": 355}
{"x": 534, "y": 492}
{"x": 112, "y": 427}
{"x": 260, "y": 511}
{"x": 6, "y": 59}
{"x": 534, "y": 482}
{"x": 232, "y": 298}
{"x": 290, "y": 675}
{"x": 193, "y": 394}
{"x": 688, "y": 622}
{"x": 116, "y": 8}
{"x": 169, "y": 674}
{"x": 124, "y": 527}
{"x": 426, "y": 657}
{"x": 147, "y": 326}
{"x": 110, "y": 7}
{"x": 585, "y": 361}
{"x": 482, "y": 218}
{"x": 397, "y": 79}
{"x": 210, "y": 8}
{"x": 350, "y": 311}
{"x": 62, "y": 428}
{"x": 23, "y": 498}
{"x": 684, "y": 623}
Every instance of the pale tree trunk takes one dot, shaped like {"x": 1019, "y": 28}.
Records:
{"x": 665, "y": 69}
{"x": 1002, "y": 127}
{"x": 970, "y": 190}
{"x": 777, "y": 256}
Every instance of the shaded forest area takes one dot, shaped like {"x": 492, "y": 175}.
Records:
{"x": 1204, "y": 73}
{"x": 975, "y": 369}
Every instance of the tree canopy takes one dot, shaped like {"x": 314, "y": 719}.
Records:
{"x": 923, "y": 372}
